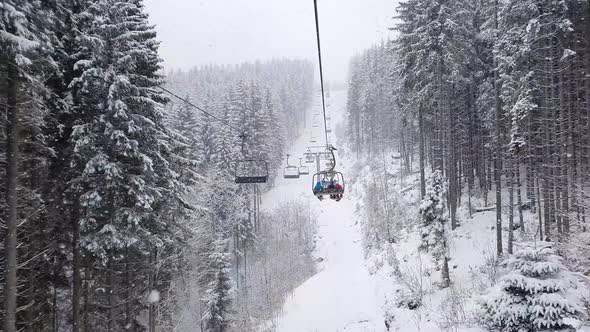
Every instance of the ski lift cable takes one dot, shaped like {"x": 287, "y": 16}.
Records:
{"x": 202, "y": 110}
{"x": 243, "y": 136}
{"x": 317, "y": 29}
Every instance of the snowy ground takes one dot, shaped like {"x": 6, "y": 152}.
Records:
{"x": 352, "y": 292}
{"x": 342, "y": 296}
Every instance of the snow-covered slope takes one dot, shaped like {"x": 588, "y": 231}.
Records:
{"x": 342, "y": 296}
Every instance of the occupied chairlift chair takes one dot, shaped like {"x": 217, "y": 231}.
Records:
{"x": 290, "y": 172}
{"x": 327, "y": 179}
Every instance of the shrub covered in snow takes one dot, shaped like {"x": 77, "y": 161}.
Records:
{"x": 538, "y": 293}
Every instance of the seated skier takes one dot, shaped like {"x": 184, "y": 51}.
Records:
{"x": 331, "y": 188}
{"x": 318, "y": 188}
{"x": 339, "y": 190}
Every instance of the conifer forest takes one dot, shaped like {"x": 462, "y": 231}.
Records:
{"x": 425, "y": 167}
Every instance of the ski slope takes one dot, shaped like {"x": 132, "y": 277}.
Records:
{"x": 342, "y": 296}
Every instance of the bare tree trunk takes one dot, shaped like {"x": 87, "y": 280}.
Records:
{"x": 540, "y": 213}
{"x": 451, "y": 159}
{"x": 152, "y": 287}
{"x": 110, "y": 295}
{"x": 12, "y": 161}
{"x": 421, "y": 129}
{"x": 498, "y": 154}
{"x": 519, "y": 196}
{"x": 510, "y": 171}
{"x": 76, "y": 269}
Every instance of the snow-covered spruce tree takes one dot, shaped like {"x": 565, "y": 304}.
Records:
{"x": 217, "y": 299}
{"x": 537, "y": 294}
{"x": 226, "y": 139}
{"x": 123, "y": 159}
{"x": 434, "y": 223}
{"x": 276, "y": 135}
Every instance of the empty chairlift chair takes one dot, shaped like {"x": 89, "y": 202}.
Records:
{"x": 251, "y": 171}
{"x": 309, "y": 157}
{"x": 290, "y": 172}
{"x": 303, "y": 169}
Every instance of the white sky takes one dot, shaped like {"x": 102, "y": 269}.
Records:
{"x": 196, "y": 32}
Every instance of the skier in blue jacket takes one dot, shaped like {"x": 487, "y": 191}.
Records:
{"x": 318, "y": 187}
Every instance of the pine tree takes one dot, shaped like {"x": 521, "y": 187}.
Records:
{"x": 535, "y": 294}
{"x": 121, "y": 152}
{"x": 433, "y": 232}
{"x": 217, "y": 317}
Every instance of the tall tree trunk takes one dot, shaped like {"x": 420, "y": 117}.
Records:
{"x": 498, "y": 154}
{"x": 12, "y": 162}
{"x": 421, "y": 129}
{"x": 76, "y": 268}
{"x": 539, "y": 210}
{"x": 510, "y": 171}
{"x": 111, "y": 294}
{"x": 519, "y": 195}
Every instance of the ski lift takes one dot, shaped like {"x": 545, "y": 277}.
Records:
{"x": 309, "y": 157}
{"x": 303, "y": 169}
{"x": 290, "y": 172}
{"x": 250, "y": 170}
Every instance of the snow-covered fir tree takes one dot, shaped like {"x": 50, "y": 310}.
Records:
{"x": 538, "y": 293}
{"x": 217, "y": 298}
{"x": 434, "y": 223}
{"x": 121, "y": 152}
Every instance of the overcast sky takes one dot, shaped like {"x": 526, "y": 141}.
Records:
{"x": 196, "y": 32}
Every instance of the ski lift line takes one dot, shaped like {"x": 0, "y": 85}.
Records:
{"x": 317, "y": 29}
{"x": 200, "y": 109}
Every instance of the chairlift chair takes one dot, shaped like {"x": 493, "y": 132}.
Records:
{"x": 328, "y": 179}
{"x": 251, "y": 171}
{"x": 290, "y": 172}
{"x": 303, "y": 169}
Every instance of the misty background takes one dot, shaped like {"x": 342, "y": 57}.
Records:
{"x": 194, "y": 33}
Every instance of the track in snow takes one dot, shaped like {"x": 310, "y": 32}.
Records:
{"x": 342, "y": 296}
